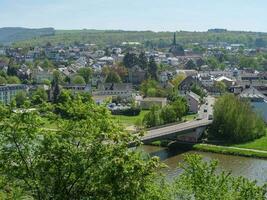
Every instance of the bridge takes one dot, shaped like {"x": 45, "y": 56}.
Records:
{"x": 173, "y": 132}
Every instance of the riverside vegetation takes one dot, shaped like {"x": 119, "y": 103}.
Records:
{"x": 86, "y": 156}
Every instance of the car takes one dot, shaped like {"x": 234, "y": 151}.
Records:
{"x": 205, "y": 110}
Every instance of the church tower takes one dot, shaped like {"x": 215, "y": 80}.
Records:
{"x": 174, "y": 39}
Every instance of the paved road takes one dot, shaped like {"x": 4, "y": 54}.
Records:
{"x": 208, "y": 106}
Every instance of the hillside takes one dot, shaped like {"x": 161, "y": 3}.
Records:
{"x": 148, "y": 38}
{"x": 13, "y": 34}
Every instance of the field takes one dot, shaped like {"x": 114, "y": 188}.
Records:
{"x": 259, "y": 144}
{"x": 130, "y": 120}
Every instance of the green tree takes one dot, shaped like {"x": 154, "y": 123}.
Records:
{"x": 86, "y": 157}
{"x": 142, "y": 60}
{"x": 152, "y": 118}
{"x": 153, "y": 68}
{"x": 78, "y": 80}
{"x": 212, "y": 62}
{"x": 113, "y": 77}
{"x": 130, "y": 60}
{"x": 86, "y": 73}
{"x": 2, "y": 80}
{"x": 39, "y": 96}
{"x": 220, "y": 86}
{"x": 200, "y": 181}
{"x": 178, "y": 79}
{"x": 248, "y": 62}
{"x": 13, "y": 80}
{"x": 180, "y": 107}
{"x": 234, "y": 120}
{"x": 20, "y": 98}
{"x": 168, "y": 114}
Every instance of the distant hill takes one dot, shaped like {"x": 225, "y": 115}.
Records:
{"x": 148, "y": 38}
{"x": 14, "y": 34}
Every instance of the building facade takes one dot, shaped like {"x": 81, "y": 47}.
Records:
{"x": 9, "y": 92}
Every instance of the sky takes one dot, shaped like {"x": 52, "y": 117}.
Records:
{"x": 155, "y": 15}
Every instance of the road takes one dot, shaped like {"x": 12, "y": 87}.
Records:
{"x": 208, "y": 106}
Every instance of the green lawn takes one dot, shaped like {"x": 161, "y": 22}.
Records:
{"x": 190, "y": 117}
{"x": 259, "y": 144}
{"x": 130, "y": 120}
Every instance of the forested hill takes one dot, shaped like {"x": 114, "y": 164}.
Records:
{"x": 148, "y": 38}
{"x": 13, "y": 34}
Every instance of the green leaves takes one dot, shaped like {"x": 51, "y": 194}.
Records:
{"x": 235, "y": 121}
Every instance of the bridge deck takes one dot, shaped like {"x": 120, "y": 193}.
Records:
{"x": 165, "y": 132}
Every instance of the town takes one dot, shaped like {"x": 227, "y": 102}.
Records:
{"x": 138, "y": 115}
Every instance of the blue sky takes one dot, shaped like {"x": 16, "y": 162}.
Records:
{"x": 156, "y": 15}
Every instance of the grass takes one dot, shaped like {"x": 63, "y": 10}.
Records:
{"x": 190, "y": 117}
{"x": 230, "y": 151}
{"x": 259, "y": 144}
{"x": 130, "y": 120}
{"x": 133, "y": 120}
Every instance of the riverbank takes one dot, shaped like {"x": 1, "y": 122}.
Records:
{"x": 231, "y": 150}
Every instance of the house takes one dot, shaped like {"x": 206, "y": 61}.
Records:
{"x": 78, "y": 88}
{"x": 8, "y": 92}
{"x": 257, "y": 100}
{"x": 40, "y": 74}
{"x": 193, "y": 101}
{"x": 253, "y": 95}
{"x": 187, "y": 83}
{"x": 148, "y": 102}
{"x": 122, "y": 90}
{"x": 227, "y": 81}
{"x": 106, "y": 60}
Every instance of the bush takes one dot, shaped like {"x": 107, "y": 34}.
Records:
{"x": 235, "y": 121}
{"x": 127, "y": 112}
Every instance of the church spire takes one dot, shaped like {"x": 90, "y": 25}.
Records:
{"x": 174, "y": 38}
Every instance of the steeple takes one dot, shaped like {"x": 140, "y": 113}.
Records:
{"x": 174, "y": 38}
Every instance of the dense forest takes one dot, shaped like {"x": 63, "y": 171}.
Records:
{"x": 147, "y": 38}
{"x": 10, "y": 35}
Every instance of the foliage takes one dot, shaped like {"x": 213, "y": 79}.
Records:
{"x": 153, "y": 118}
{"x": 198, "y": 90}
{"x": 168, "y": 114}
{"x": 231, "y": 150}
{"x": 220, "y": 85}
{"x": 148, "y": 38}
{"x": 20, "y": 98}
{"x": 248, "y": 62}
{"x": 113, "y": 77}
{"x": 151, "y": 88}
{"x": 178, "y": 79}
{"x": 86, "y": 157}
{"x": 130, "y": 60}
{"x": 86, "y": 73}
{"x": 200, "y": 181}
{"x": 234, "y": 120}
{"x": 39, "y": 96}
{"x": 142, "y": 60}
{"x": 78, "y": 80}
{"x": 152, "y": 68}
{"x": 13, "y": 80}
{"x": 2, "y": 80}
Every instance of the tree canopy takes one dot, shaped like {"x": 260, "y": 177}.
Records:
{"x": 235, "y": 121}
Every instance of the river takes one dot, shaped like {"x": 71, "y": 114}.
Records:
{"x": 252, "y": 168}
